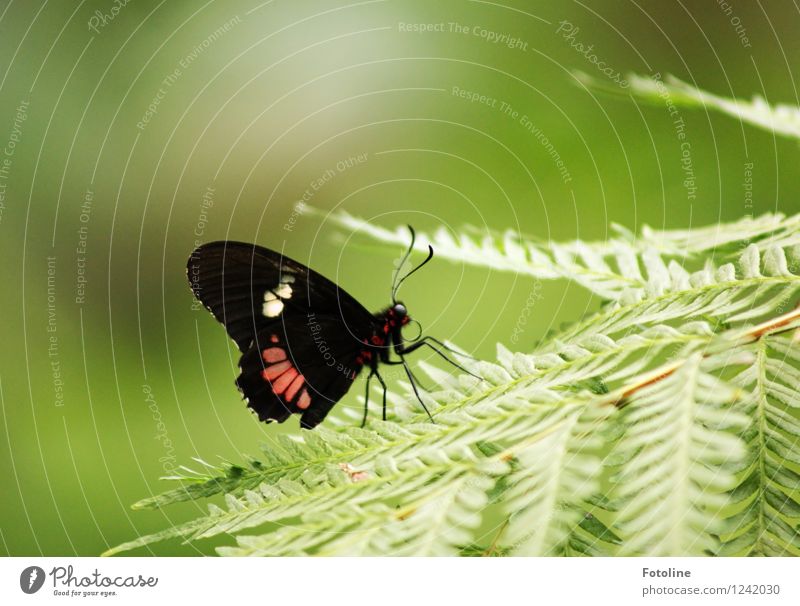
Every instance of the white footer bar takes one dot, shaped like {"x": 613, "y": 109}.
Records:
{"x": 399, "y": 581}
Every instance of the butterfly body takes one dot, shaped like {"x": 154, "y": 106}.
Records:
{"x": 303, "y": 339}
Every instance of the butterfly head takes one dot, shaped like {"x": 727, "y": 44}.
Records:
{"x": 394, "y": 319}
{"x": 397, "y": 315}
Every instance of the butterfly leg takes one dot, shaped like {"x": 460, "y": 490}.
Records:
{"x": 366, "y": 400}
{"x": 383, "y": 384}
{"x": 446, "y": 347}
{"x": 374, "y": 373}
{"x": 398, "y": 363}
{"x": 414, "y": 387}
{"x": 403, "y": 350}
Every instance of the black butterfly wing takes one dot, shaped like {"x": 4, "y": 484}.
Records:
{"x": 300, "y": 334}
{"x": 247, "y": 287}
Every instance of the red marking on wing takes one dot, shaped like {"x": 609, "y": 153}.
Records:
{"x": 284, "y": 381}
{"x": 276, "y": 370}
{"x": 274, "y": 338}
{"x": 377, "y": 340}
{"x": 292, "y": 390}
{"x": 273, "y": 354}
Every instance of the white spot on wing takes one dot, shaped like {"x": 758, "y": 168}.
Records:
{"x": 284, "y": 291}
{"x": 272, "y": 308}
{"x": 273, "y": 298}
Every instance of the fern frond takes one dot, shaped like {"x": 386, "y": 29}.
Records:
{"x": 756, "y": 287}
{"x": 726, "y": 239}
{"x": 411, "y": 465}
{"x": 596, "y": 364}
{"x": 285, "y": 457}
{"x": 782, "y": 119}
{"x": 767, "y": 521}
{"x": 624, "y": 269}
{"x": 592, "y": 537}
{"x": 554, "y": 478}
{"x": 677, "y": 454}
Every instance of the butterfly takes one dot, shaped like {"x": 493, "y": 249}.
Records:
{"x": 303, "y": 339}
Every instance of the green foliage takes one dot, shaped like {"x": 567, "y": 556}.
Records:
{"x": 626, "y": 266}
{"x": 780, "y": 119}
{"x": 767, "y": 496}
{"x": 664, "y": 424}
{"x": 678, "y": 453}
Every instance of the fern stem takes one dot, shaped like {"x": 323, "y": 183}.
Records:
{"x": 493, "y": 545}
{"x": 761, "y": 357}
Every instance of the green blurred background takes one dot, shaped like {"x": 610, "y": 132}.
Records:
{"x": 109, "y": 377}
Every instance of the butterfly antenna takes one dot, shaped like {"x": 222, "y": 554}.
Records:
{"x": 395, "y": 284}
{"x": 403, "y": 279}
